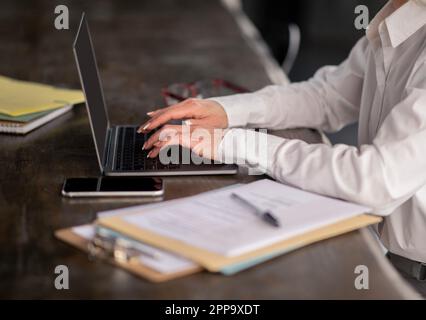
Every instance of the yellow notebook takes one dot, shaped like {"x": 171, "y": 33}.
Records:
{"x": 21, "y": 97}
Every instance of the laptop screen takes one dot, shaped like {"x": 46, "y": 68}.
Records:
{"x": 90, "y": 81}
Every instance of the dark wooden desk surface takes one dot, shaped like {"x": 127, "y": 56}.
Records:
{"x": 141, "y": 47}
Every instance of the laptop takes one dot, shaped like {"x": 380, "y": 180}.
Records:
{"x": 119, "y": 148}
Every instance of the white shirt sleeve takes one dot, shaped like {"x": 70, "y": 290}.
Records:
{"x": 381, "y": 175}
{"x": 328, "y": 101}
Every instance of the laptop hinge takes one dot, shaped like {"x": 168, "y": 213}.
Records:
{"x": 107, "y": 156}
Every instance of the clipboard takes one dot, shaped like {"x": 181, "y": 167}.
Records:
{"x": 217, "y": 263}
{"x": 137, "y": 268}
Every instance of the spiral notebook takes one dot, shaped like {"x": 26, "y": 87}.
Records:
{"x": 17, "y": 127}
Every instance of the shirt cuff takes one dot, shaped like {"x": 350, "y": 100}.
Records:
{"x": 233, "y": 109}
{"x": 249, "y": 148}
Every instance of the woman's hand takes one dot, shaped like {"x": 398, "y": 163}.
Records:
{"x": 204, "y": 142}
{"x": 195, "y": 112}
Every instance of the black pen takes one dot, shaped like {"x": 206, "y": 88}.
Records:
{"x": 264, "y": 215}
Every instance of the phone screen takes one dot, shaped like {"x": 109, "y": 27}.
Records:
{"x": 112, "y": 184}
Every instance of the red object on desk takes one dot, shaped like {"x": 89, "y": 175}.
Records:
{"x": 178, "y": 92}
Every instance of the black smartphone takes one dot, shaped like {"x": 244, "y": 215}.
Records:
{"x": 113, "y": 187}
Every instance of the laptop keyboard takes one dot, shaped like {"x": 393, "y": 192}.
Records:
{"x": 130, "y": 155}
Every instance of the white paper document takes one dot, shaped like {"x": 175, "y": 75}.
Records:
{"x": 165, "y": 262}
{"x": 218, "y": 223}
{"x": 86, "y": 232}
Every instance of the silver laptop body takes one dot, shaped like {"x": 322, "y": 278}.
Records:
{"x": 119, "y": 148}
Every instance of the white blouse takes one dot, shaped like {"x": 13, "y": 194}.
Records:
{"x": 382, "y": 85}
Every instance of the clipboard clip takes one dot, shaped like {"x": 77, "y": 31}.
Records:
{"x": 117, "y": 249}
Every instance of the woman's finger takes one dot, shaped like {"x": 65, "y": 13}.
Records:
{"x": 151, "y": 114}
{"x": 161, "y": 146}
{"x": 154, "y": 152}
{"x": 201, "y": 122}
{"x": 187, "y": 137}
{"x": 184, "y": 110}
{"x": 155, "y": 112}
{"x": 165, "y": 133}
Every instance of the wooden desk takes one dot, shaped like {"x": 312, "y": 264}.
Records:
{"x": 141, "y": 47}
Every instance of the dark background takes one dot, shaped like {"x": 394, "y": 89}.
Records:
{"x": 327, "y": 35}
{"x": 327, "y": 29}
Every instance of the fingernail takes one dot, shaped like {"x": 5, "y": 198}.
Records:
{"x": 150, "y": 113}
{"x": 149, "y": 153}
{"x": 143, "y": 147}
{"x": 146, "y": 126}
{"x": 187, "y": 122}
